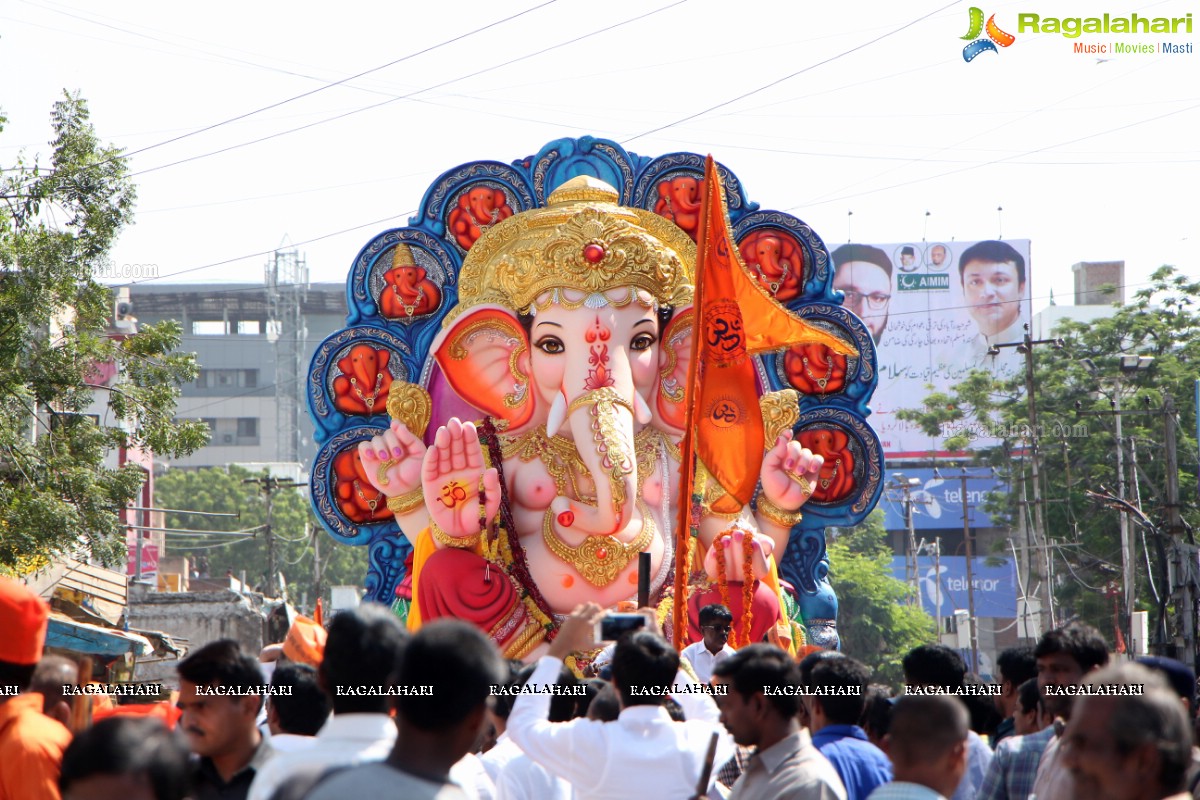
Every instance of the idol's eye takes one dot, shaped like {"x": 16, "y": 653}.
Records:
{"x": 550, "y": 345}
{"x": 643, "y": 341}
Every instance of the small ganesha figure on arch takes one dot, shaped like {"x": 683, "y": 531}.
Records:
{"x": 572, "y": 336}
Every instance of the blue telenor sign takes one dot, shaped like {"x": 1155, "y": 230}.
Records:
{"x": 937, "y": 501}
{"x": 995, "y": 586}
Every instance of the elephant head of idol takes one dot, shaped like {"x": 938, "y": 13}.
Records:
{"x": 576, "y": 316}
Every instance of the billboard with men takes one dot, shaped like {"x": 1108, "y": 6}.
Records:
{"x": 934, "y": 310}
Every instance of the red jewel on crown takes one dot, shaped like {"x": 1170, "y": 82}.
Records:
{"x": 594, "y": 252}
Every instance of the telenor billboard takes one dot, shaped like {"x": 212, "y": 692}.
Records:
{"x": 937, "y": 502}
{"x": 934, "y": 309}
{"x": 995, "y": 586}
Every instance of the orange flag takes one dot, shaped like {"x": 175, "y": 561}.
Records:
{"x": 319, "y": 613}
{"x": 736, "y": 318}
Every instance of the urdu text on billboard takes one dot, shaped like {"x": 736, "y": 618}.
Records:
{"x": 934, "y": 309}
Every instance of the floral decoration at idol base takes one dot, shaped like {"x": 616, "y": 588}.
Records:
{"x": 572, "y": 335}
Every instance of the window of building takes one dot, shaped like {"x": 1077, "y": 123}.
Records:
{"x": 227, "y": 379}
{"x": 247, "y": 427}
{"x": 209, "y": 327}
{"x": 249, "y": 327}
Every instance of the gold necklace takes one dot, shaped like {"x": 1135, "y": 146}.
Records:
{"x": 832, "y": 475}
{"x": 828, "y": 371}
{"x": 563, "y": 462}
{"x": 368, "y": 400}
{"x": 409, "y": 310}
{"x": 599, "y": 559}
{"x": 371, "y": 504}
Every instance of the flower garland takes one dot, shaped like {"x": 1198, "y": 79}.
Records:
{"x": 747, "y": 586}
{"x": 738, "y": 637}
{"x": 723, "y": 581}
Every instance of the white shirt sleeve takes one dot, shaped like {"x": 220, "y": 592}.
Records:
{"x": 698, "y": 706}
{"x": 570, "y": 750}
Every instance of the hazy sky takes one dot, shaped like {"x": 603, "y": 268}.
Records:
{"x": 866, "y": 107}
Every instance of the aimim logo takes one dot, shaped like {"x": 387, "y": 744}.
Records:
{"x": 995, "y": 36}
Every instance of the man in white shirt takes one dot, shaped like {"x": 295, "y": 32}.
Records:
{"x": 644, "y": 753}
{"x": 715, "y": 624}
{"x": 364, "y": 648}
{"x": 296, "y": 713}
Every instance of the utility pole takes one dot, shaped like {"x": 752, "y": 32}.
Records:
{"x": 937, "y": 587}
{"x": 269, "y": 485}
{"x": 1183, "y": 580}
{"x": 1128, "y": 365}
{"x": 968, "y": 543}
{"x": 1040, "y": 534}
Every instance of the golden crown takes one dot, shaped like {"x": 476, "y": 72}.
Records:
{"x": 581, "y": 240}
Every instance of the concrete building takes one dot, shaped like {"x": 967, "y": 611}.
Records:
{"x": 242, "y": 390}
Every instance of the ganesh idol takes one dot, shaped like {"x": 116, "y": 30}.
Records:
{"x": 572, "y": 335}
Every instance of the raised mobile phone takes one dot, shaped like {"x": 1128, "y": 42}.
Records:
{"x": 613, "y": 626}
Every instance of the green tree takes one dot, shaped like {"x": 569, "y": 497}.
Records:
{"x": 57, "y": 225}
{"x": 876, "y": 621}
{"x": 292, "y": 522}
{"x": 1078, "y": 451}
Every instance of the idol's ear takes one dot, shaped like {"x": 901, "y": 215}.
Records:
{"x": 674, "y": 354}
{"x": 485, "y": 357}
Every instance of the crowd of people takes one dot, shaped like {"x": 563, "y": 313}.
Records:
{"x": 368, "y": 710}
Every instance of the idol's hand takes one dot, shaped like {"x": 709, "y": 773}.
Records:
{"x": 392, "y": 460}
{"x": 789, "y": 473}
{"x": 733, "y": 549}
{"x": 451, "y": 476}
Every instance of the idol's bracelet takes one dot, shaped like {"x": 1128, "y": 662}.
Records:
{"x": 406, "y": 503}
{"x": 784, "y": 519}
{"x": 442, "y": 537}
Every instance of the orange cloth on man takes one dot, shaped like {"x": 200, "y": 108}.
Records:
{"x": 24, "y": 618}
{"x": 31, "y": 749}
{"x": 305, "y": 642}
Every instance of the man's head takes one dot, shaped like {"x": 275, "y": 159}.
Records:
{"x": 864, "y": 274}
{"x": 1025, "y": 715}
{"x": 1014, "y": 666}
{"x": 459, "y": 666}
{"x": 304, "y": 709}
{"x": 993, "y": 281}
{"x": 748, "y": 711}
{"x": 606, "y": 705}
{"x": 643, "y": 661}
{"x": 218, "y": 724}
{"x": 125, "y": 758}
{"x": 937, "y": 255}
{"x": 1128, "y": 747}
{"x": 715, "y": 623}
{"x": 364, "y": 648}
{"x": 908, "y": 258}
{"x": 562, "y": 706}
{"x": 934, "y": 665}
{"x": 52, "y": 675}
{"x": 1064, "y": 656}
{"x": 806, "y": 667}
{"x": 877, "y": 713}
{"x": 837, "y": 709}
{"x": 927, "y": 741}
{"x": 1180, "y": 677}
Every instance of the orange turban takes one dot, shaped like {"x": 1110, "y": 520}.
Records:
{"x": 23, "y": 620}
{"x": 305, "y": 642}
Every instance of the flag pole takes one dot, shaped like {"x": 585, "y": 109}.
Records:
{"x": 688, "y": 524}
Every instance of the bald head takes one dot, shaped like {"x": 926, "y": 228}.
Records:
{"x": 1132, "y": 742}
{"x": 927, "y": 741}
{"x": 54, "y": 672}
